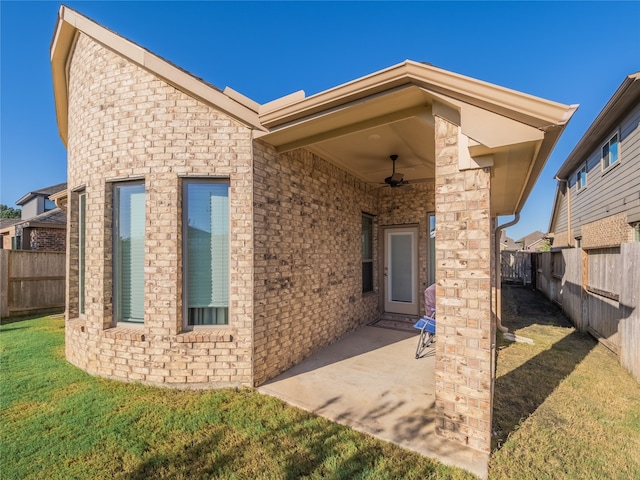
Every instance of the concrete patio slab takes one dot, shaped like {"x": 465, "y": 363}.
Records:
{"x": 371, "y": 381}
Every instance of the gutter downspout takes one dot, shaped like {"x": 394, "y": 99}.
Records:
{"x": 569, "y": 234}
{"x": 498, "y": 271}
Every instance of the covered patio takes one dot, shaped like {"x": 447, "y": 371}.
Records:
{"x": 371, "y": 382}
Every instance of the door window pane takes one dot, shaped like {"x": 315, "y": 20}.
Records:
{"x": 401, "y": 267}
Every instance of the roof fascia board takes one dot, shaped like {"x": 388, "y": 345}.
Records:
{"x": 556, "y": 206}
{"x": 609, "y": 116}
{"x": 522, "y": 107}
{"x": 282, "y": 102}
{"x": 60, "y": 51}
{"x": 69, "y": 22}
{"x": 525, "y": 108}
{"x": 29, "y": 224}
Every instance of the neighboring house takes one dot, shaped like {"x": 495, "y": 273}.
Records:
{"x": 507, "y": 243}
{"x": 8, "y": 233}
{"x": 597, "y": 212}
{"x": 214, "y": 241}
{"x": 42, "y": 226}
{"x": 532, "y": 242}
{"x": 597, "y": 201}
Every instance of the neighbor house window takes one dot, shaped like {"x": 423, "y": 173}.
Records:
{"x": 82, "y": 226}
{"x": 610, "y": 154}
{"x": 128, "y": 255}
{"x": 206, "y": 251}
{"x": 581, "y": 177}
{"x": 431, "y": 249}
{"x": 367, "y": 253}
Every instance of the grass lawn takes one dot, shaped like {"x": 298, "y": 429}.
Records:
{"x": 58, "y": 422}
{"x": 564, "y": 408}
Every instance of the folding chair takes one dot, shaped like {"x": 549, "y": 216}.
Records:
{"x": 427, "y": 327}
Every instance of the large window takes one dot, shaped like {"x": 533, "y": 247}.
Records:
{"x": 128, "y": 256}
{"x": 610, "y": 152}
{"x": 206, "y": 252}
{"x": 82, "y": 226}
{"x": 367, "y": 253}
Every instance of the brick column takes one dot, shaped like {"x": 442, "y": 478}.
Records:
{"x": 463, "y": 279}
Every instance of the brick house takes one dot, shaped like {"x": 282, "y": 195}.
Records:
{"x": 215, "y": 242}
{"x": 42, "y": 226}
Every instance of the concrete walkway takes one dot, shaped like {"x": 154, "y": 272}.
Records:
{"x": 371, "y": 381}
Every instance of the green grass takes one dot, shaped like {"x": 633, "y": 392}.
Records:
{"x": 57, "y": 422}
{"x": 564, "y": 408}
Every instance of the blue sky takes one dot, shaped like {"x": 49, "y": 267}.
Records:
{"x": 569, "y": 52}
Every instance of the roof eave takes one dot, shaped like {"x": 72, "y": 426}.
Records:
{"x": 551, "y": 137}
{"x": 609, "y": 116}
{"x": 69, "y": 23}
{"x": 519, "y": 106}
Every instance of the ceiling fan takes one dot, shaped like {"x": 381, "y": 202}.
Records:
{"x": 396, "y": 179}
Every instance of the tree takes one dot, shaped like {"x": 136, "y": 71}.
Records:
{"x": 545, "y": 246}
{"x": 8, "y": 212}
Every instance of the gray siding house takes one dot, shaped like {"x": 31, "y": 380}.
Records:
{"x": 597, "y": 201}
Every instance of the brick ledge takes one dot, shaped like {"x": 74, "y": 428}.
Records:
{"x": 120, "y": 333}
{"x": 200, "y": 337}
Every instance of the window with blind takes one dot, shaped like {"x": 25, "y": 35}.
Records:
{"x": 367, "y": 253}
{"x": 128, "y": 255}
{"x": 431, "y": 249}
{"x": 82, "y": 225}
{"x": 206, "y": 252}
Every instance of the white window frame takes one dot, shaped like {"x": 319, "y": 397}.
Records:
{"x": 581, "y": 181}
{"x": 606, "y": 157}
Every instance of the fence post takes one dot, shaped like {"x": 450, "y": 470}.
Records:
{"x": 4, "y": 283}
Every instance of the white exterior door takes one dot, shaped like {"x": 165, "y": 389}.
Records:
{"x": 401, "y": 270}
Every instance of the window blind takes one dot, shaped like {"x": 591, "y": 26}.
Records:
{"x": 207, "y": 252}
{"x": 129, "y": 252}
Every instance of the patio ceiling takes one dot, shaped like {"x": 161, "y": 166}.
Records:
{"x": 357, "y": 126}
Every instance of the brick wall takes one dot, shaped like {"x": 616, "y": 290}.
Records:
{"x": 6, "y": 241}
{"x": 125, "y": 123}
{"x": 560, "y": 239}
{"x": 610, "y": 231}
{"x": 463, "y": 276}
{"x": 307, "y": 261}
{"x": 49, "y": 239}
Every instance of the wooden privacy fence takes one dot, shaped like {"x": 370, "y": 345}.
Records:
{"x": 599, "y": 290}
{"x": 515, "y": 266}
{"x": 31, "y": 282}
